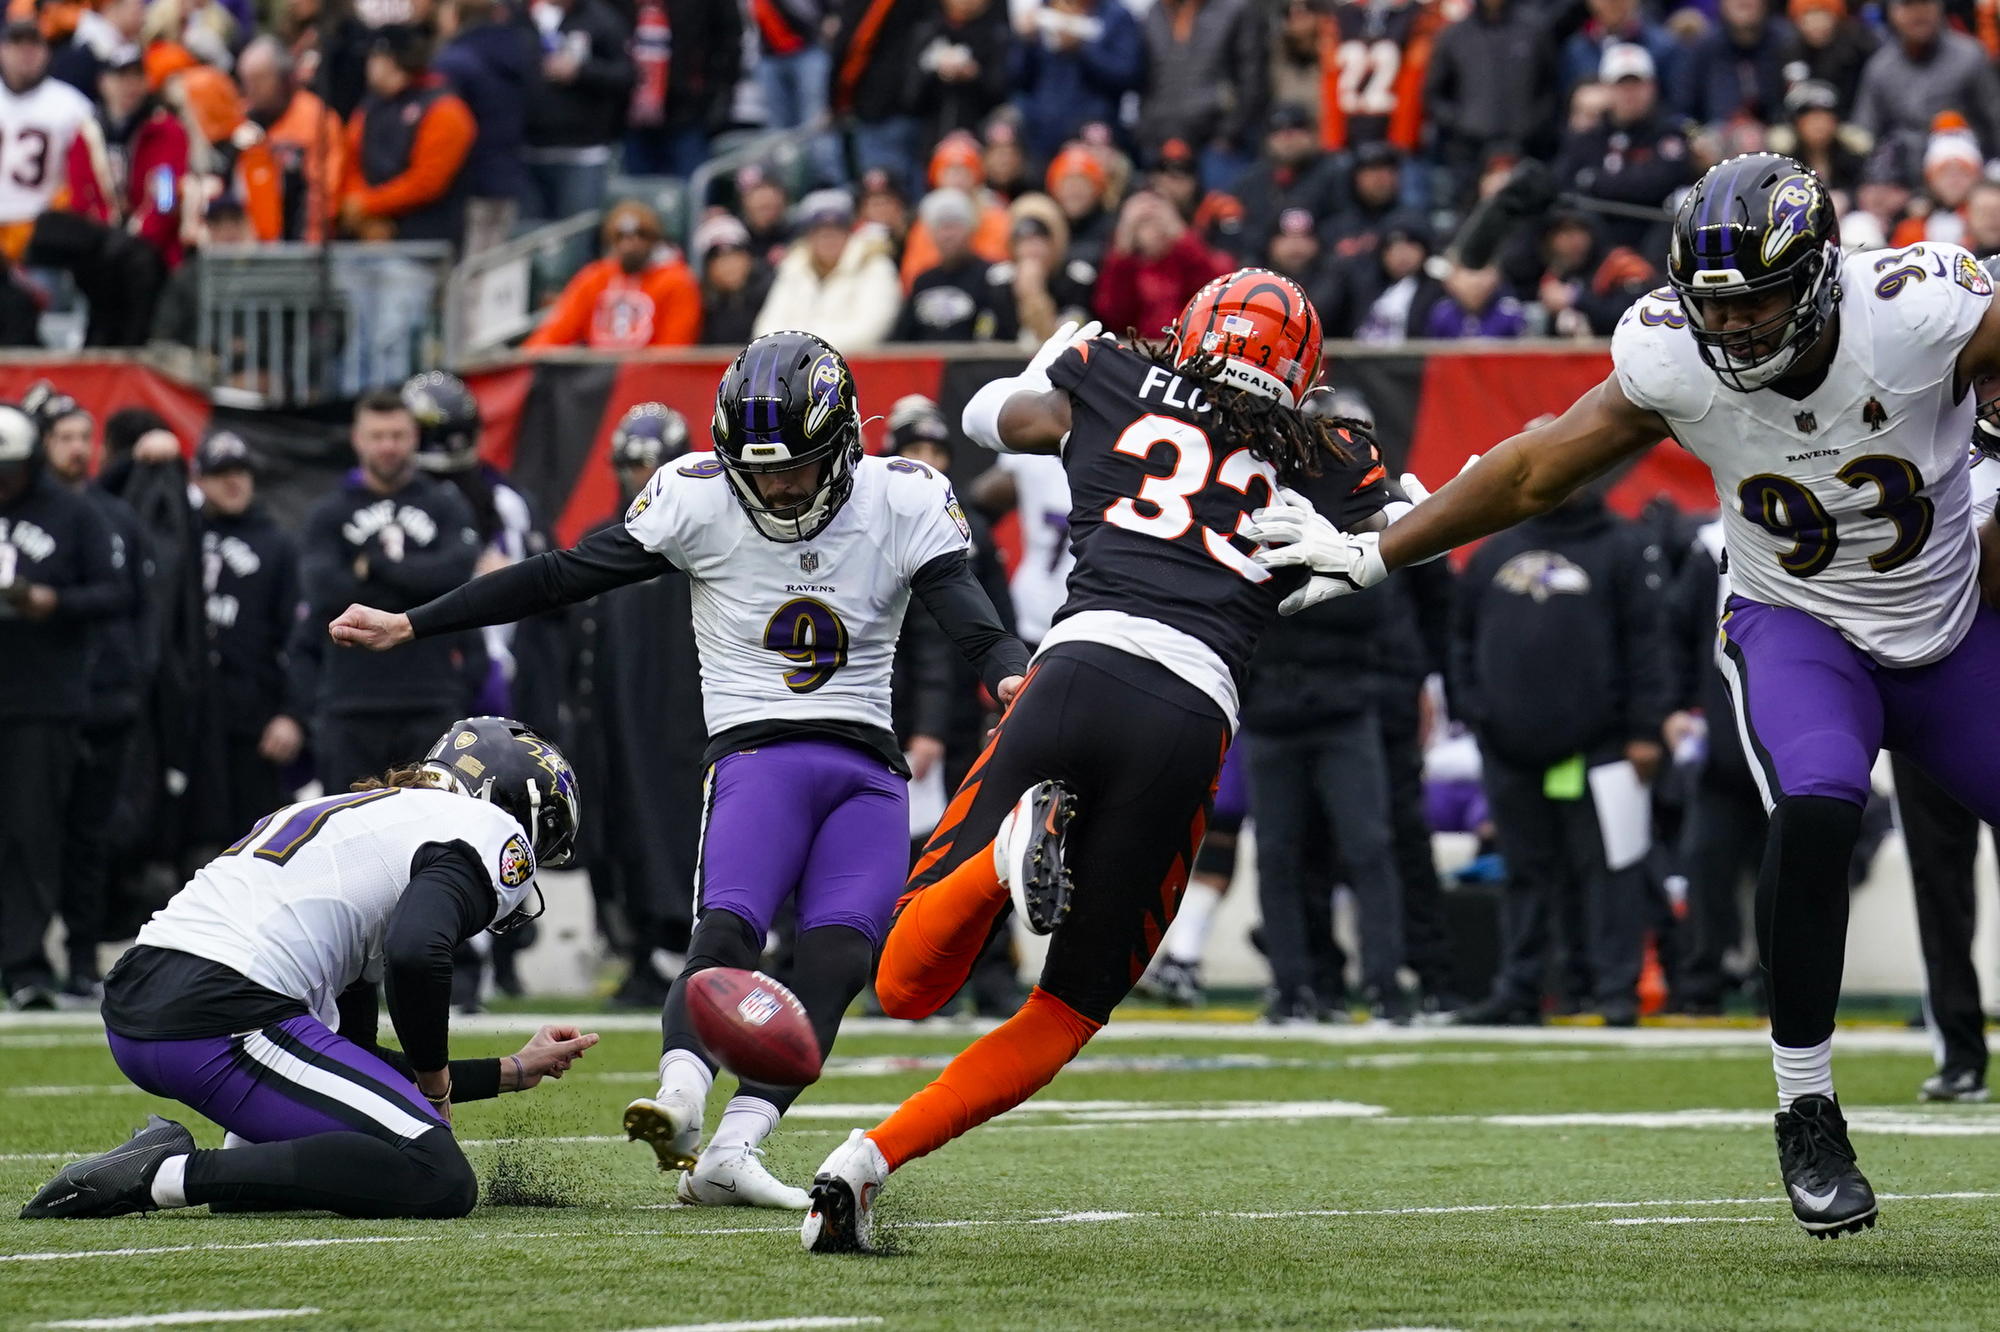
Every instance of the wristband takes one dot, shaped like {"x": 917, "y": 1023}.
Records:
{"x": 520, "y": 1074}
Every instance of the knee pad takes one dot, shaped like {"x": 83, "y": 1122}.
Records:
{"x": 452, "y": 1189}
{"x": 724, "y": 939}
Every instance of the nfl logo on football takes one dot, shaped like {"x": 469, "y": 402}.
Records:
{"x": 757, "y": 1008}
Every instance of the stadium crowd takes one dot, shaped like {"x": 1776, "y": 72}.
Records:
{"x": 975, "y": 171}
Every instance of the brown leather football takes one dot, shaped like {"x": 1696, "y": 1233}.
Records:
{"x": 753, "y": 1026}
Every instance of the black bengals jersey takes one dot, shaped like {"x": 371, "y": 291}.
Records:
{"x": 1155, "y": 507}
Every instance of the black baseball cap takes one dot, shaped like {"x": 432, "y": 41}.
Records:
{"x": 223, "y": 451}
{"x": 1379, "y": 153}
{"x": 1289, "y": 116}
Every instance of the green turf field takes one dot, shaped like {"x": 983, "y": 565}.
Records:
{"x": 1178, "y": 1177}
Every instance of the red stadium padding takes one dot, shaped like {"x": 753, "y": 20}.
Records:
{"x": 103, "y": 384}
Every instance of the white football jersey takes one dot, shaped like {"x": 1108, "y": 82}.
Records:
{"x": 300, "y": 904}
{"x": 1040, "y": 583}
{"x": 799, "y": 629}
{"x": 1852, "y": 504}
{"x": 36, "y": 130}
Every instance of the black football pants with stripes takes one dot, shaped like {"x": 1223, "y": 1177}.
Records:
{"x": 1140, "y": 748}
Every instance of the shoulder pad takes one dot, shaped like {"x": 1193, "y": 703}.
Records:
{"x": 1656, "y": 362}
{"x": 1918, "y": 301}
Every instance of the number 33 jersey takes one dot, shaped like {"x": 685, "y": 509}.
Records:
{"x": 1852, "y": 504}
{"x": 803, "y": 630}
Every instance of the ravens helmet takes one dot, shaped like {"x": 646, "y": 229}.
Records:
{"x": 46, "y": 404}
{"x": 650, "y": 435}
{"x": 1755, "y": 225}
{"x": 20, "y": 439}
{"x": 447, "y": 421}
{"x": 788, "y": 402}
{"x": 504, "y": 763}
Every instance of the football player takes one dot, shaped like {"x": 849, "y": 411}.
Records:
{"x": 250, "y": 997}
{"x": 1118, "y": 734}
{"x": 1829, "y": 397}
{"x": 802, "y": 555}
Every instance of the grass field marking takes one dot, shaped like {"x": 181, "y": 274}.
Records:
{"x": 767, "y": 1325}
{"x": 55, "y": 1257}
{"x": 44, "y": 1156}
{"x": 85, "y": 1089}
{"x": 1684, "y": 1221}
{"x": 173, "y": 1319}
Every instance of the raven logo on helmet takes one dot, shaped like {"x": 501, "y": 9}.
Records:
{"x": 1792, "y": 204}
{"x": 826, "y": 377}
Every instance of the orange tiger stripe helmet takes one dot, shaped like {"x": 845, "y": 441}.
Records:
{"x": 1262, "y": 326}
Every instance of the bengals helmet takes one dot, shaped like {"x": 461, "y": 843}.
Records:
{"x": 1260, "y": 324}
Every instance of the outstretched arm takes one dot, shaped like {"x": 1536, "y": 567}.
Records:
{"x": 1026, "y": 414}
{"x": 1525, "y": 475}
{"x": 601, "y": 561}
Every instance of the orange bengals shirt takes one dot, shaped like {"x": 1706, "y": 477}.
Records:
{"x": 605, "y": 308}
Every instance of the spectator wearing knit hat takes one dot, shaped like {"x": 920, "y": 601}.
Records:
{"x": 1384, "y": 296}
{"x": 1830, "y": 45}
{"x": 1816, "y": 137}
{"x": 1040, "y": 285}
{"x": 734, "y": 280}
{"x": 1077, "y": 182}
{"x": 836, "y": 281}
{"x": 1952, "y": 166}
{"x": 639, "y": 295}
{"x": 1081, "y": 59}
{"x": 1292, "y": 247}
{"x": 958, "y": 164}
{"x": 1927, "y": 69}
{"x": 951, "y": 301}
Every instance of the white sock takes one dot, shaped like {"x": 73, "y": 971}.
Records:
{"x": 1187, "y": 937}
{"x": 746, "y": 1121}
{"x": 1802, "y": 1071}
{"x": 170, "y": 1182}
{"x": 682, "y": 1074}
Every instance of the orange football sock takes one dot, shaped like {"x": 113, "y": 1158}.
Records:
{"x": 937, "y": 938}
{"x": 994, "y": 1074}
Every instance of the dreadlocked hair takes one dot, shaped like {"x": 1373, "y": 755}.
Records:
{"x": 405, "y": 778}
{"x": 1293, "y": 442}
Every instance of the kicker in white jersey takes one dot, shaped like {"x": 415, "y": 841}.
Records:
{"x": 1853, "y": 503}
{"x": 802, "y": 629}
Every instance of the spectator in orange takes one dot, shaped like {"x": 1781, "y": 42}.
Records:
{"x": 960, "y": 164}
{"x": 305, "y": 136}
{"x": 640, "y": 294}
{"x": 239, "y": 161}
{"x": 406, "y": 148}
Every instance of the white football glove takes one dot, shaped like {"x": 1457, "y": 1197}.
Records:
{"x": 1293, "y": 533}
{"x": 1318, "y": 588}
{"x": 1061, "y": 341}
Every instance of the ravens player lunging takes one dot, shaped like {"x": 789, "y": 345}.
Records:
{"x": 250, "y": 997}
{"x": 1829, "y": 396}
{"x": 1119, "y": 731}
{"x": 801, "y": 555}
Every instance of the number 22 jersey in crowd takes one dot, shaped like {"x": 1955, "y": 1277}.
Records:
{"x": 1157, "y": 510}
{"x": 1853, "y": 503}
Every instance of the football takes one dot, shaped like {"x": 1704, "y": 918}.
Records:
{"x": 753, "y": 1026}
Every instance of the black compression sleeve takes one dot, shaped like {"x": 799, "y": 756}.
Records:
{"x": 448, "y": 901}
{"x": 601, "y": 561}
{"x": 953, "y": 595}
{"x": 360, "y": 1022}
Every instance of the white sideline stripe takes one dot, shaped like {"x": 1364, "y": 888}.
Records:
{"x": 213, "y": 1248}
{"x": 1684, "y": 1221}
{"x": 86, "y": 1089}
{"x": 1856, "y": 1041}
{"x": 313, "y": 1078}
{"x": 44, "y": 1156}
{"x": 773, "y": 1324}
{"x": 191, "y": 1316}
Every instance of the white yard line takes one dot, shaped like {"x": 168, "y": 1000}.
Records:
{"x": 176, "y": 1319}
{"x": 763, "y": 1324}
{"x": 1685, "y": 1221}
{"x": 213, "y": 1248}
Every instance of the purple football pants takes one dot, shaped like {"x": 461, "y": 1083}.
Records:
{"x": 1816, "y": 709}
{"x": 290, "y": 1080}
{"x": 814, "y": 818}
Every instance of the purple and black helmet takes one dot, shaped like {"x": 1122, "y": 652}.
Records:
{"x": 787, "y": 402}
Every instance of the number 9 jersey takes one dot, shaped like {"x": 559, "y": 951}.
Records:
{"x": 799, "y": 631}
{"x": 1853, "y": 503}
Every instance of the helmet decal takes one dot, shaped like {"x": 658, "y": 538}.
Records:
{"x": 825, "y": 389}
{"x": 1792, "y": 207}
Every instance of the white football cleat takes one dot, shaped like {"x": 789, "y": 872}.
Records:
{"x": 734, "y": 1177}
{"x": 1028, "y": 854}
{"x": 670, "y": 1125}
{"x": 843, "y": 1198}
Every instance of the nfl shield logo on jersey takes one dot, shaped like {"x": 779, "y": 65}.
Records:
{"x": 1806, "y": 422}
{"x": 808, "y": 561}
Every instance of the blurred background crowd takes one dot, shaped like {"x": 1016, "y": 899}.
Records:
{"x": 965, "y": 170}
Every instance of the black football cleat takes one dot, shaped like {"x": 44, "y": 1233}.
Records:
{"x": 113, "y": 1183}
{"x": 1966, "y": 1085}
{"x": 1028, "y": 855}
{"x": 1829, "y": 1195}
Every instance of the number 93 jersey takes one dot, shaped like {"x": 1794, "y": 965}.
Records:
{"x": 300, "y": 903}
{"x": 801, "y": 630}
{"x": 1853, "y": 503}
